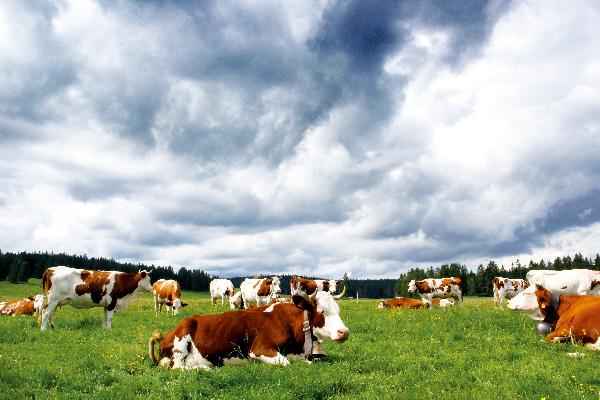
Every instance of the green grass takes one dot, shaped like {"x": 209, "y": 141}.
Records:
{"x": 471, "y": 352}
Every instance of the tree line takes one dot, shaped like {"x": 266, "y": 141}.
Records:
{"x": 477, "y": 282}
{"x": 19, "y": 267}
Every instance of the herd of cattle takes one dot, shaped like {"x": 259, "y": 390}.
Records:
{"x": 267, "y": 327}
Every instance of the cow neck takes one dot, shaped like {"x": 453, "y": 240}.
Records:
{"x": 551, "y": 315}
{"x": 308, "y": 341}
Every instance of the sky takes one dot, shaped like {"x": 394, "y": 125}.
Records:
{"x": 314, "y": 137}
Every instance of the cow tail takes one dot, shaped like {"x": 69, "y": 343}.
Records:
{"x": 45, "y": 289}
{"x": 156, "y": 337}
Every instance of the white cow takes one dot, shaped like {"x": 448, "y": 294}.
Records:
{"x": 83, "y": 288}
{"x": 222, "y": 288}
{"x": 507, "y": 288}
{"x": 572, "y": 281}
{"x": 259, "y": 290}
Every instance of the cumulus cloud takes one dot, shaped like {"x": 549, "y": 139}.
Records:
{"x": 315, "y": 138}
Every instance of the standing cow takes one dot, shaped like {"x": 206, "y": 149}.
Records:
{"x": 507, "y": 288}
{"x": 443, "y": 288}
{"x": 167, "y": 292}
{"x": 309, "y": 286}
{"x": 28, "y": 306}
{"x": 83, "y": 288}
{"x": 220, "y": 288}
{"x": 259, "y": 290}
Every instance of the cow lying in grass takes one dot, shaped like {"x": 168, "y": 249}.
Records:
{"x": 28, "y": 306}
{"x": 265, "y": 333}
{"x": 572, "y": 316}
{"x": 402, "y": 302}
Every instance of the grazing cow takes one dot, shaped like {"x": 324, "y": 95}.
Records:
{"x": 443, "y": 287}
{"x": 402, "y": 302}
{"x": 573, "y": 281}
{"x": 262, "y": 334}
{"x": 236, "y": 301}
{"x": 507, "y": 288}
{"x": 167, "y": 292}
{"x": 259, "y": 290}
{"x": 571, "y": 316}
{"x": 220, "y": 287}
{"x": 83, "y": 288}
{"x": 309, "y": 286}
{"x": 28, "y": 306}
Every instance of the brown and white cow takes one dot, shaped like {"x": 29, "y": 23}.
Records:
{"x": 265, "y": 334}
{"x": 442, "y": 287}
{"x": 402, "y": 302}
{"x": 235, "y": 301}
{"x": 572, "y": 316}
{"x": 441, "y": 302}
{"x": 507, "y": 288}
{"x": 309, "y": 286}
{"x": 167, "y": 292}
{"x": 82, "y": 288}
{"x": 220, "y": 288}
{"x": 28, "y": 306}
{"x": 259, "y": 290}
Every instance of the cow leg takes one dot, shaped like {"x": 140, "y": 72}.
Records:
{"x": 48, "y": 315}
{"x": 156, "y": 305}
{"x": 104, "y": 316}
{"x": 222, "y": 300}
{"x": 108, "y": 317}
{"x": 267, "y": 354}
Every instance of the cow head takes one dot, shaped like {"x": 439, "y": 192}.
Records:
{"x": 334, "y": 328}
{"x": 412, "y": 286}
{"x": 176, "y": 304}
{"x": 381, "y": 304}
{"x": 235, "y": 301}
{"x": 527, "y": 302}
{"x": 144, "y": 282}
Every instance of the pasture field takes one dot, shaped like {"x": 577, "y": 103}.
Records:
{"x": 472, "y": 352}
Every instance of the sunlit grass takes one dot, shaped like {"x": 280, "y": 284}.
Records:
{"x": 472, "y": 352}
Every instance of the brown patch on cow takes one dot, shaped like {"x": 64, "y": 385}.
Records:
{"x": 168, "y": 290}
{"x": 94, "y": 283}
{"x": 308, "y": 286}
{"x": 241, "y": 332}
{"x": 125, "y": 284}
{"x": 525, "y": 284}
{"x": 447, "y": 283}
{"x": 423, "y": 287}
{"x": 594, "y": 284}
{"x": 326, "y": 286}
{"x": 265, "y": 287}
{"x": 515, "y": 285}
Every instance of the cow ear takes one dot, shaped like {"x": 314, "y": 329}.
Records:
{"x": 302, "y": 303}
{"x": 184, "y": 304}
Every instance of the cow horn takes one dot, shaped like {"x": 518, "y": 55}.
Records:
{"x": 339, "y": 296}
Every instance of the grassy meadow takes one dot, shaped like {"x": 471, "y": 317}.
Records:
{"x": 472, "y": 352}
